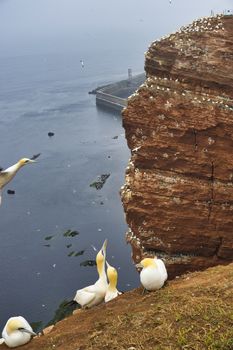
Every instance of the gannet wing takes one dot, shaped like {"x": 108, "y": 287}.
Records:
{"x": 84, "y": 296}
{"x": 162, "y": 268}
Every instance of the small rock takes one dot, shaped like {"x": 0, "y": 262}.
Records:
{"x": 75, "y": 312}
{"x": 47, "y": 330}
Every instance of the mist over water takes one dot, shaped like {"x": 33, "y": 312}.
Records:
{"x": 43, "y": 88}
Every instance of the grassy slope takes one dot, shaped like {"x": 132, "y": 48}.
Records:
{"x": 192, "y": 312}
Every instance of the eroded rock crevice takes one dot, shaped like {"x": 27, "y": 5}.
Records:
{"x": 178, "y": 192}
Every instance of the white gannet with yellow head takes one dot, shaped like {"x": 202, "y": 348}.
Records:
{"x": 153, "y": 274}
{"x": 16, "y": 332}
{"x": 95, "y": 293}
{"x": 112, "y": 291}
{"x": 8, "y": 174}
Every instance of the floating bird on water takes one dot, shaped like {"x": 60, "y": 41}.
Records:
{"x": 16, "y": 332}
{"x": 112, "y": 291}
{"x": 82, "y": 63}
{"x": 8, "y": 174}
{"x": 94, "y": 294}
{"x": 153, "y": 274}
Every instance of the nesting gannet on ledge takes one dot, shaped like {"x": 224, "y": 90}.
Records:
{"x": 112, "y": 291}
{"x": 8, "y": 174}
{"x": 16, "y": 332}
{"x": 94, "y": 294}
{"x": 153, "y": 274}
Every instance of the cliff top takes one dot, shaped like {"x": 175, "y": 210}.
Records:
{"x": 192, "y": 312}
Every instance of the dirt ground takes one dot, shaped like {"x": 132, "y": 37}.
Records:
{"x": 193, "y": 312}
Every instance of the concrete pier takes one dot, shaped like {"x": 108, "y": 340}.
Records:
{"x": 115, "y": 95}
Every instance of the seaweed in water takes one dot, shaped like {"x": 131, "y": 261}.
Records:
{"x": 73, "y": 253}
{"x": 62, "y": 312}
{"x": 70, "y": 233}
{"x": 37, "y": 326}
{"x": 100, "y": 181}
{"x": 48, "y": 238}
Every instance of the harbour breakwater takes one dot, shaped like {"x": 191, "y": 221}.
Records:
{"x": 115, "y": 95}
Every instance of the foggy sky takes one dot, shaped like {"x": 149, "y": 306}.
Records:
{"x": 44, "y": 26}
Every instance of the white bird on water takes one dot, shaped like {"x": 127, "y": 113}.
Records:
{"x": 16, "y": 332}
{"x": 8, "y": 174}
{"x": 153, "y": 274}
{"x": 94, "y": 294}
{"x": 112, "y": 291}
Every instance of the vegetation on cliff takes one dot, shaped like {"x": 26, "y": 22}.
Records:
{"x": 194, "y": 312}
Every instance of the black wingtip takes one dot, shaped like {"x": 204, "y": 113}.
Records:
{"x": 35, "y": 156}
{"x": 71, "y": 303}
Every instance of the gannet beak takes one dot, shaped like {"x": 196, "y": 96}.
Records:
{"x": 107, "y": 264}
{"x": 139, "y": 266}
{"x": 27, "y": 331}
{"x": 32, "y": 161}
{"x": 104, "y": 246}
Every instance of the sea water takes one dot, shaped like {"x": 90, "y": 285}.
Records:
{"x": 40, "y": 265}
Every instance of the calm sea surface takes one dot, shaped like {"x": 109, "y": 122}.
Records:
{"x": 39, "y": 266}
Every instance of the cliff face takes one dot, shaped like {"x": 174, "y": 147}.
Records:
{"x": 178, "y": 195}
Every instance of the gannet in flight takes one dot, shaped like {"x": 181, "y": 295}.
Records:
{"x": 94, "y": 294}
{"x": 112, "y": 291}
{"x": 8, "y": 174}
{"x": 16, "y": 332}
{"x": 153, "y": 274}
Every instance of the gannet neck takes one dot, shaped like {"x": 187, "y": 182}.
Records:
{"x": 112, "y": 277}
{"x": 100, "y": 261}
{"x": 14, "y": 168}
{"x": 100, "y": 264}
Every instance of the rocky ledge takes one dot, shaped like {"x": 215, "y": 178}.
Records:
{"x": 178, "y": 192}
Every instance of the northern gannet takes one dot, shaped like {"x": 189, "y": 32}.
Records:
{"x": 94, "y": 294}
{"x": 8, "y": 174}
{"x": 112, "y": 291}
{"x": 153, "y": 274}
{"x": 16, "y": 332}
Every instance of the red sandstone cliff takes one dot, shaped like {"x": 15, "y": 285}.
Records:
{"x": 178, "y": 195}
